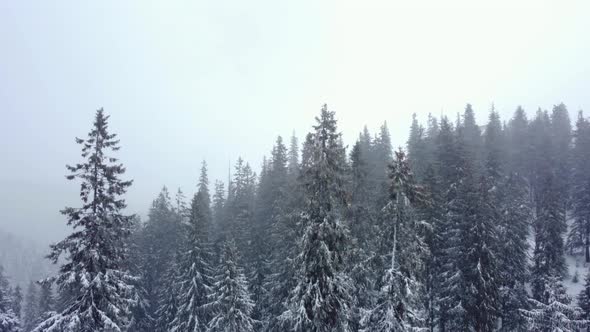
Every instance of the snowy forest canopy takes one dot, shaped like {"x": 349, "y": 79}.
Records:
{"x": 467, "y": 229}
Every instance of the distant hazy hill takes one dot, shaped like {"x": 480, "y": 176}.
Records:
{"x": 23, "y": 260}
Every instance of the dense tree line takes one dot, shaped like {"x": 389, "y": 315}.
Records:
{"x": 464, "y": 230}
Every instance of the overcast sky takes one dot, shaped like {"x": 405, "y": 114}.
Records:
{"x": 186, "y": 81}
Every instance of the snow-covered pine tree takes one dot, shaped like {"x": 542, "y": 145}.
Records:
{"x": 46, "y": 304}
{"x": 382, "y": 158}
{"x": 518, "y": 144}
{"x": 509, "y": 196}
{"x": 168, "y": 293}
{"x": 401, "y": 298}
{"x": 360, "y": 209}
{"x": 470, "y": 135}
{"x": 554, "y": 313}
{"x": 218, "y": 211}
{"x": 258, "y": 269}
{"x": 240, "y": 205}
{"x": 285, "y": 229}
{"x": 561, "y": 143}
{"x": 167, "y": 306}
{"x": 445, "y": 242}
{"x": 321, "y": 299}
{"x": 96, "y": 250}
{"x": 231, "y": 303}
{"x": 584, "y": 301}
{"x": 363, "y": 233}
{"x": 17, "y": 301}
{"x": 579, "y": 236}
{"x": 480, "y": 269}
{"x": 31, "y": 308}
{"x": 417, "y": 149}
{"x": 513, "y": 258}
{"x": 270, "y": 211}
{"x": 157, "y": 244}
{"x": 9, "y": 321}
{"x": 194, "y": 265}
{"x": 548, "y": 256}
{"x": 141, "y": 320}
{"x": 469, "y": 278}
{"x": 432, "y": 131}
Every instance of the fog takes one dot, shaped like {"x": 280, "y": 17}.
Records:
{"x": 191, "y": 81}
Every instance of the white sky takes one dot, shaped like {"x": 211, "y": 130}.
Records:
{"x": 193, "y": 80}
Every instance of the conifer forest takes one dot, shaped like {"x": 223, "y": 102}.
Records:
{"x": 295, "y": 166}
{"x": 465, "y": 228}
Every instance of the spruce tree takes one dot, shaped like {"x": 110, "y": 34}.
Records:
{"x": 554, "y": 312}
{"x": 518, "y": 144}
{"x": 561, "y": 138}
{"x": 17, "y": 301}
{"x": 167, "y": 306}
{"x": 584, "y": 300}
{"x": 480, "y": 268}
{"x": 95, "y": 251}
{"x": 417, "y": 149}
{"x": 400, "y": 304}
{"x": 195, "y": 271}
{"x": 258, "y": 268}
{"x": 513, "y": 257}
{"x": 444, "y": 246}
{"x": 240, "y": 205}
{"x": 218, "y": 212}
{"x": 320, "y": 300}
{"x": 284, "y": 230}
{"x": 579, "y": 235}
{"x": 46, "y": 305}
{"x": 9, "y": 321}
{"x": 383, "y": 157}
{"x": 363, "y": 233}
{"x": 159, "y": 245}
{"x": 31, "y": 310}
{"x": 231, "y": 303}
{"x": 141, "y": 320}
{"x": 548, "y": 256}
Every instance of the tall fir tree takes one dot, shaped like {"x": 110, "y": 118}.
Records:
{"x": 284, "y": 230}
{"x": 554, "y": 312}
{"x": 168, "y": 303}
{"x": 518, "y": 144}
{"x": 194, "y": 266}
{"x": 159, "y": 245}
{"x": 140, "y": 320}
{"x": 548, "y": 256}
{"x": 96, "y": 250}
{"x": 218, "y": 212}
{"x": 363, "y": 232}
{"x": 513, "y": 255}
{"x": 321, "y": 300}
{"x": 31, "y": 310}
{"x": 231, "y": 303}
{"x": 579, "y": 235}
{"x": 17, "y": 301}
{"x": 46, "y": 305}
{"x": 561, "y": 137}
{"x": 417, "y": 149}
{"x": 584, "y": 301}
{"x": 240, "y": 205}
{"x": 400, "y": 305}
{"x": 444, "y": 245}
{"x": 9, "y": 321}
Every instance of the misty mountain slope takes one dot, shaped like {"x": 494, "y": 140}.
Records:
{"x": 23, "y": 260}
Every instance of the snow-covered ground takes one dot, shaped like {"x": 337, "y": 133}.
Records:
{"x": 575, "y": 264}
